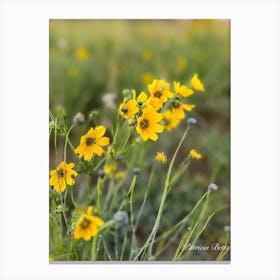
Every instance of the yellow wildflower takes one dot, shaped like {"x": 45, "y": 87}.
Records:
{"x": 195, "y": 154}
{"x": 128, "y": 109}
{"x": 81, "y": 53}
{"x": 182, "y": 90}
{"x": 89, "y": 211}
{"x": 62, "y": 176}
{"x": 51, "y": 259}
{"x": 91, "y": 143}
{"x": 120, "y": 174}
{"x": 110, "y": 168}
{"x": 147, "y": 124}
{"x": 161, "y": 157}
{"x": 147, "y": 77}
{"x": 178, "y": 109}
{"x": 159, "y": 90}
{"x": 171, "y": 120}
{"x": 141, "y": 99}
{"x": 196, "y": 83}
{"x": 87, "y": 227}
{"x": 182, "y": 64}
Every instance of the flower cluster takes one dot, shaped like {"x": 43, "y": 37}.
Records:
{"x": 161, "y": 108}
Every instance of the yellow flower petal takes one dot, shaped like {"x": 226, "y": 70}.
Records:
{"x": 103, "y": 141}
{"x": 196, "y": 83}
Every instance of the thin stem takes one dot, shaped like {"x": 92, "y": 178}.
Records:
{"x": 99, "y": 193}
{"x": 133, "y": 241}
{"x": 151, "y": 237}
{"x": 178, "y": 227}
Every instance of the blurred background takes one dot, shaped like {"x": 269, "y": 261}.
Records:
{"x": 93, "y": 61}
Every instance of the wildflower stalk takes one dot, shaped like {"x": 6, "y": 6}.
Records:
{"x": 94, "y": 247}
{"x": 130, "y": 192}
{"x": 186, "y": 238}
{"x": 225, "y": 250}
{"x": 124, "y": 244}
{"x": 206, "y": 223}
{"x": 152, "y": 235}
{"x": 175, "y": 230}
{"x": 122, "y": 146}
{"x": 99, "y": 193}
{"x": 144, "y": 201}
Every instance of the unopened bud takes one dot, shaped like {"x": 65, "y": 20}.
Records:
{"x": 118, "y": 157}
{"x": 101, "y": 173}
{"x": 121, "y": 218}
{"x": 192, "y": 121}
{"x": 79, "y": 118}
{"x": 136, "y": 171}
{"x": 212, "y": 187}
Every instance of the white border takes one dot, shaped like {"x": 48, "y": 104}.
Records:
{"x": 255, "y": 138}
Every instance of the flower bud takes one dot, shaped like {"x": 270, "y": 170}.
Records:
{"x": 192, "y": 121}
{"x": 101, "y": 173}
{"x": 79, "y": 118}
{"x": 118, "y": 157}
{"x": 121, "y": 218}
{"x": 227, "y": 228}
{"x": 212, "y": 187}
{"x": 136, "y": 171}
{"x": 93, "y": 115}
{"x": 52, "y": 124}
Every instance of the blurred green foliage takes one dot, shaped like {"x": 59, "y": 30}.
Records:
{"x": 89, "y": 58}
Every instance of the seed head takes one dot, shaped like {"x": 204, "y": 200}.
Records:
{"x": 192, "y": 121}
{"x": 79, "y": 118}
{"x": 136, "y": 171}
{"x": 121, "y": 218}
{"x": 212, "y": 187}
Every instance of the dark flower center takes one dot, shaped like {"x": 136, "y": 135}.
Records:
{"x": 90, "y": 141}
{"x": 124, "y": 109}
{"x": 176, "y": 104}
{"x": 85, "y": 223}
{"x": 144, "y": 124}
{"x": 158, "y": 94}
{"x": 60, "y": 173}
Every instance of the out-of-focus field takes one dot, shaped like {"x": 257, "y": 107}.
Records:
{"x": 89, "y": 58}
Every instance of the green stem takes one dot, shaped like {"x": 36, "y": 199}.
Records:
{"x": 151, "y": 237}
{"x": 99, "y": 194}
{"x": 133, "y": 240}
{"x": 175, "y": 231}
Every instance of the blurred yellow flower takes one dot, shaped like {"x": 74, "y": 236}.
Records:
{"x": 128, "y": 109}
{"x": 159, "y": 91}
{"x": 89, "y": 211}
{"x": 182, "y": 64}
{"x": 196, "y": 83}
{"x": 141, "y": 99}
{"x": 161, "y": 157}
{"x": 182, "y": 90}
{"x": 87, "y": 227}
{"x": 120, "y": 175}
{"x": 81, "y": 53}
{"x": 195, "y": 154}
{"x": 62, "y": 176}
{"x": 91, "y": 143}
{"x": 73, "y": 72}
{"x": 171, "y": 120}
{"x": 51, "y": 259}
{"x": 147, "y": 78}
{"x": 147, "y": 124}
{"x": 147, "y": 55}
{"x": 110, "y": 168}
{"x": 179, "y": 109}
